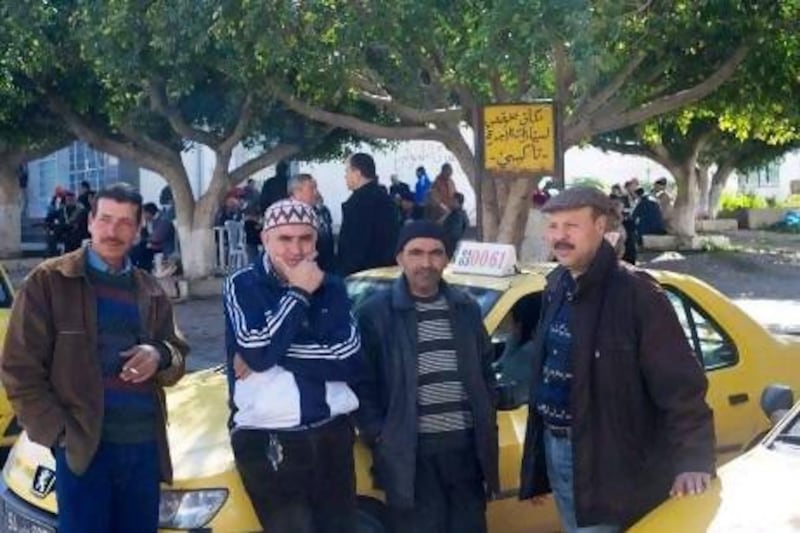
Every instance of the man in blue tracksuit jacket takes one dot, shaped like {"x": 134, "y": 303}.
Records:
{"x": 293, "y": 352}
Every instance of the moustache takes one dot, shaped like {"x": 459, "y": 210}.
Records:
{"x": 114, "y": 242}
{"x": 563, "y": 245}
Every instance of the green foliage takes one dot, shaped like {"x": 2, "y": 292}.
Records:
{"x": 733, "y": 202}
{"x": 111, "y": 60}
{"x": 791, "y": 201}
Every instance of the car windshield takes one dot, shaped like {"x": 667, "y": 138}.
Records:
{"x": 790, "y": 435}
{"x": 360, "y": 288}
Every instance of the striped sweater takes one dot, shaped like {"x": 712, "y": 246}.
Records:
{"x": 130, "y": 409}
{"x": 444, "y": 415}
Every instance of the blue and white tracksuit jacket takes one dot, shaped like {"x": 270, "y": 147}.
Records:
{"x": 303, "y": 349}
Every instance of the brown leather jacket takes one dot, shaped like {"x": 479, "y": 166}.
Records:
{"x": 49, "y": 365}
{"x": 637, "y": 395}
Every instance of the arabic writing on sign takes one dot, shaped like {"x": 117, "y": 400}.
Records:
{"x": 519, "y": 138}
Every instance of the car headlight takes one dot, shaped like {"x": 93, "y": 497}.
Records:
{"x": 189, "y": 509}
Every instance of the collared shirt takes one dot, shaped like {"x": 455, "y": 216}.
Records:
{"x": 553, "y": 393}
{"x": 98, "y": 263}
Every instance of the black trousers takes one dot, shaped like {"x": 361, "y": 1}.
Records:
{"x": 449, "y": 496}
{"x": 300, "y": 481}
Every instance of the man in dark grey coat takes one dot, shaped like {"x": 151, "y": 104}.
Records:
{"x": 617, "y": 418}
{"x": 428, "y": 408}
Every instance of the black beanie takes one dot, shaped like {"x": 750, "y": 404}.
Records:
{"x": 425, "y": 229}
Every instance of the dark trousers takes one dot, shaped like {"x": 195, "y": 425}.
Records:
{"x": 300, "y": 481}
{"x": 449, "y": 496}
{"x": 119, "y": 493}
{"x": 142, "y": 256}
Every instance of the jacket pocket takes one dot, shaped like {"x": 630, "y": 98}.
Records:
{"x": 70, "y": 363}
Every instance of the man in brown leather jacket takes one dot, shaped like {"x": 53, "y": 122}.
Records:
{"x": 90, "y": 345}
{"x": 617, "y": 416}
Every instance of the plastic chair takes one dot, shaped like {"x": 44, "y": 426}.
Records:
{"x": 237, "y": 254}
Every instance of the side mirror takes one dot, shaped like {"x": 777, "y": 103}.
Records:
{"x": 506, "y": 396}
{"x": 776, "y": 399}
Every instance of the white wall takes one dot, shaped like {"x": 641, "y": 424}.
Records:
{"x": 403, "y": 160}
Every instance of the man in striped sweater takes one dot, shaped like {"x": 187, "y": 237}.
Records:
{"x": 428, "y": 407}
{"x": 293, "y": 350}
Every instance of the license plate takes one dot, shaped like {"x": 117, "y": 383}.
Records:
{"x": 16, "y": 523}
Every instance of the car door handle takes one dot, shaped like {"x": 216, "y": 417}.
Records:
{"x": 736, "y": 399}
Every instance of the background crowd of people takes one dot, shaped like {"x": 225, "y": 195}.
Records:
{"x": 371, "y": 208}
{"x": 67, "y": 219}
{"x": 641, "y": 213}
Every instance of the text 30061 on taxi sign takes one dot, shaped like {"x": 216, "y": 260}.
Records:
{"x": 484, "y": 258}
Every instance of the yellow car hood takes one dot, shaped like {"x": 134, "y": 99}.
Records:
{"x": 197, "y": 430}
{"x": 760, "y": 491}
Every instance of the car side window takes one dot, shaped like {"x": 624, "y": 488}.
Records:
{"x": 709, "y": 341}
{"x": 513, "y": 342}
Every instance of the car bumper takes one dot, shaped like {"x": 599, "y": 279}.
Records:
{"x": 18, "y": 516}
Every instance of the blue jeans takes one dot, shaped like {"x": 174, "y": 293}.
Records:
{"x": 119, "y": 492}
{"x": 558, "y": 455}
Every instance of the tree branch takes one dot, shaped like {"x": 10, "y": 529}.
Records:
{"x": 245, "y": 114}
{"x": 367, "y": 84}
{"x": 723, "y": 171}
{"x": 639, "y": 149}
{"x": 565, "y": 73}
{"x": 411, "y": 114}
{"x": 17, "y": 155}
{"x": 524, "y": 80}
{"x": 372, "y": 92}
{"x": 611, "y": 122}
{"x": 151, "y": 145}
{"x": 270, "y": 157}
{"x": 141, "y": 154}
{"x": 592, "y": 104}
{"x": 498, "y": 91}
{"x": 357, "y": 125}
{"x": 159, "y": 103}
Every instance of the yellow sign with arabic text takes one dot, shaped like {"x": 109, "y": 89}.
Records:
{"x": 519, "y": 138}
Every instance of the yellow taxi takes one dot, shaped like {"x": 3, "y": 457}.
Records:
{"x": 758, "y": 491}
{"x": 9, "y": 430}
{"x": 738, "y": 354}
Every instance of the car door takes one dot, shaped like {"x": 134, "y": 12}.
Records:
{"x": 735, "y": 406}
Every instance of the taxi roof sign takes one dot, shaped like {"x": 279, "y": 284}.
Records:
{"x": 484, "y": 258}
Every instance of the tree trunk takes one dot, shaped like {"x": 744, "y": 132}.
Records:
{"x": 195, "y": 223}
{"x": 683, "y": 212}
{"x": 715, "y": 200}
{"x": 10, "y": 213}
{"x": 718, "y": 183}
{"x": 703, "y": 190}
{"x": 514, "y": 208}
{"x": 490, "y": 211}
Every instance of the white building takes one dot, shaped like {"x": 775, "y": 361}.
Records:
{"x": 773, "y": 180}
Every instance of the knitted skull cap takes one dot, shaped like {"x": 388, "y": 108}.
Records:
{"x": 285, "y": 212}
